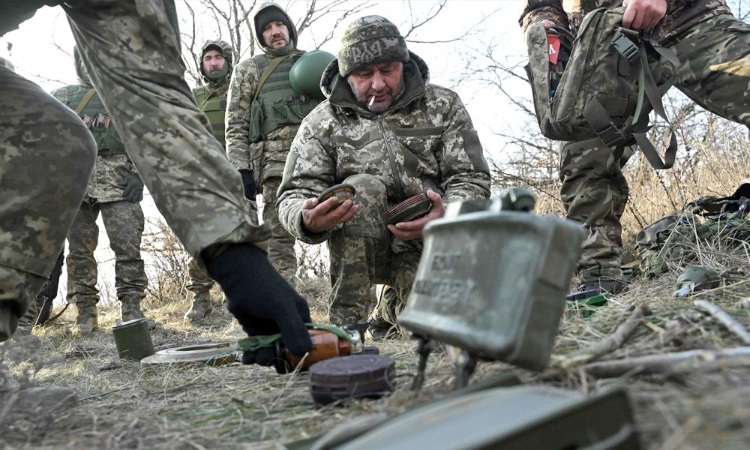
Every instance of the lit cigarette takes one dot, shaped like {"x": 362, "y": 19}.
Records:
{"x": 372, "y": 100}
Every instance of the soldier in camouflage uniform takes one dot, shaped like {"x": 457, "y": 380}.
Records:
{"x": 713, "y": 48}
{"x": 115, "y": 191}
{"x": 215, "y": 64}
{"x": 391, "y": 134}
{"x": 132, "y": 52}
{"x": 261, "y": 125}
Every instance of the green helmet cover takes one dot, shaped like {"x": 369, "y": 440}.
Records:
{"x": 306, "y": 73}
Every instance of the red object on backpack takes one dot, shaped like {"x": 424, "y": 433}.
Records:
{"x": 554, "y": 47}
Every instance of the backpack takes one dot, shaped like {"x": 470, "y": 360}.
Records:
{"x": 679, "y": 239}
{"x": 602, "y": 83}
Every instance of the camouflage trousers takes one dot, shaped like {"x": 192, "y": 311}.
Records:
{"x": 363, "y": 252}
{"x": 133, "y": 54}
{"x": 714, "y": 73}
{"x": 124, "y": 224}
{"x": 281, "y": 246}
{"x": 200, "y": 283}
{"x": 46, "y": 159}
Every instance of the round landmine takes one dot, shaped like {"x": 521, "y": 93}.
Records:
{"x": 212, "y": 354}
{"x": 354, "y": 376}
{"x": 410, "y": 209}
{"x": 341, "y": 191}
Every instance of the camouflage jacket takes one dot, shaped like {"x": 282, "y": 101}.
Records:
{"x": 112, "y": 165}
{"x": 242, "y": 153}
{"x": 680, "y": 17}
{"x": 424, "y": 140}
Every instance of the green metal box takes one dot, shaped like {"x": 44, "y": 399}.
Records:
{"x": 518, "y": 418}
{"x": 494, "y": 283}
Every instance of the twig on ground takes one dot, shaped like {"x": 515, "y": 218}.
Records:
{"x": 612, "y": 342}
{"x": 671, "y": 362}
{"x": 719, "y": 314}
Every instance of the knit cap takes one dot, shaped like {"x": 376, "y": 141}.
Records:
{"x": 368, "y": 40}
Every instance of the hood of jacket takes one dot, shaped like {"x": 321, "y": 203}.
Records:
{"x": 272, "y": 52}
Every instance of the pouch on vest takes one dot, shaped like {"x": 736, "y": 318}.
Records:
{"x": 606, "y": 88}
{"x": 256, "y": 121}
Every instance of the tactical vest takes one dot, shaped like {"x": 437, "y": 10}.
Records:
{"x": 280, "y": 104}
{"x": 213, "y": 102}
{"x": 95, "y": 117}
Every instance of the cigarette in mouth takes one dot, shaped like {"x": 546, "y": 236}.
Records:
{"x": 372, "y": 100}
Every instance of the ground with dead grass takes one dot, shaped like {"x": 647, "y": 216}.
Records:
{"x": 701, "y": 404}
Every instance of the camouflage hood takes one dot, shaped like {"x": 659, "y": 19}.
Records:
{"x": 226, "y": 50}
{"x": 266, "y": 12}
{"x": 336, "y": 88}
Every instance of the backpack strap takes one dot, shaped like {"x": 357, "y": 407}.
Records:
{"x": 635, "y": 51}
{"x": 267, "y": 73}
{"x": 85, "y": 101}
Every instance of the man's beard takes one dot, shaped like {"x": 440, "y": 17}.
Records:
{"x": 364, "y": 100}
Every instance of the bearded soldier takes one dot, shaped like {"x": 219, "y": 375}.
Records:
{"x": 263, "y": 115}
{"x": 389, "y": 133}
{"x": 215, "y": 64}
{"x": 115, "y": 190}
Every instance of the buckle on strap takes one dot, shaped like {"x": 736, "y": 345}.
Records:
{"x": 625, "y": 46}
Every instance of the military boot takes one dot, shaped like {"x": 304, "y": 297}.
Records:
{"x": 86, "y": 318}
{"x": 130, "y": 310}
{"x": 200, "y": 308}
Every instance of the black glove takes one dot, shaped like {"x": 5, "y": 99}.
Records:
{"x": 268, "y": 305}
{"x": 248, "y": 183}
{"x": 132, "y": 188}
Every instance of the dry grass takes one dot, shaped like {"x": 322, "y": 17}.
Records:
{"x": 121, "y": 405}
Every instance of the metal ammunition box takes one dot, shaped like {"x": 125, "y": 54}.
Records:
{"x": 494, "y": 283}
{"x": 509, "y": 419}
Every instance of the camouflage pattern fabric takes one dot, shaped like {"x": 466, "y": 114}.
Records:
{"x": 132, "y": 51}
{"x": 124, "y": 223}
{"x": 364, "y": 253}
{"x": 211, "y": 95}
{"x": 43, "y": 174}
{"x": 265, "y": 158}
{"x": 424, "y": 140}
{"x": 281, "y": 246}
{"x": 680, "y": 17}
{"x": 714, "y": 74}
{"x": 369, "y": 39}
{"x": 200, "y": 283}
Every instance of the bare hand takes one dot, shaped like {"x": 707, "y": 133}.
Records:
{"x": 413, "y": 229}
{"x": 643, "y": 14}
{"x": 317, "y": 218}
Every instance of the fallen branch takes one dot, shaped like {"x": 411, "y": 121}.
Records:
{"x": 719, "y": 314}
{"x": 671, "y": 362}
{"x": 611, "y": 343}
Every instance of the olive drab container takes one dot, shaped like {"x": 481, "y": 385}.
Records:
{"x": 492, "y": 279}
{"x": 133, "y": 339}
